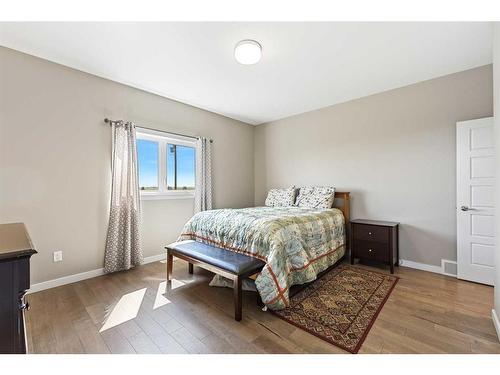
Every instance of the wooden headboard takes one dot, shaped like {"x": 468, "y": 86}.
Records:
{"x": 344, "y": 205}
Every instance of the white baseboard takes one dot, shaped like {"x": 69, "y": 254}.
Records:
{"x": 420, "y": 266}
{"x": 82, "y": 276}
{"x": 65, "y": 280}
{"x": 496, "y": 322}
{"x": 154, "y": 258}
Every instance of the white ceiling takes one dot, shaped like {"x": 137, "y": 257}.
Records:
{"x": 305, "y": 66}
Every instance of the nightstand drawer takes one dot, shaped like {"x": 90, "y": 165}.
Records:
{"x": 371, "y": 250}
{"x": 371, "y": 233}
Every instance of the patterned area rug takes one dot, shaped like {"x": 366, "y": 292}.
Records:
{"x": 341, "y": 306}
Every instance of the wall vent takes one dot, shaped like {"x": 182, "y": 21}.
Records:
{"x": 449, "y": 267}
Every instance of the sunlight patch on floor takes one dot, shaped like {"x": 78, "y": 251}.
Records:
{"x": 126, "y": 309}
{"x": 160, "y": 299}
{"x": 177, "y": 283}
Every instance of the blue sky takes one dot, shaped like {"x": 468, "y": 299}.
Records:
{"x": 147, "y": 154}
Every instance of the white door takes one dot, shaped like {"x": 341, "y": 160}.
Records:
{"x": 475, "y": 200}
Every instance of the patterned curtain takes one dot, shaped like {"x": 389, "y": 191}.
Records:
{"x": 123, "y": 249}
{"x": 203, "y": 192}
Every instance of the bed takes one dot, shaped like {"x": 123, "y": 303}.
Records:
{"x": 295, "y": 243}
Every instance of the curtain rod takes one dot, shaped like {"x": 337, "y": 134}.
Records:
{"x": 110, "y": 122}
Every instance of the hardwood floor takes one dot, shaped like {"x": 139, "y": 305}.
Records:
{"x": 426, "y": 313}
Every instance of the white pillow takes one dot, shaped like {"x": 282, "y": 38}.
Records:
{"x": 316, "y": 197}
{"x": 281, "y": 197}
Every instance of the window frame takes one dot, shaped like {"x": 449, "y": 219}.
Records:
{"x": 163, "y": 140}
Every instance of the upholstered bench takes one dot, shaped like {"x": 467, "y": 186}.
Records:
{"x": 234, "y": 266}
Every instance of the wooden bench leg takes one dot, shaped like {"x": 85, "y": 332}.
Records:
{"x": 190, "y": 268}
{"x": 170, "y": 264}
{"x": 237, "y": 298}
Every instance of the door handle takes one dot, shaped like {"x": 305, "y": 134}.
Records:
{"x": 465, "y": 208}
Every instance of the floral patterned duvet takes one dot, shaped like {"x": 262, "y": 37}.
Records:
{"x": 296, "y": 243}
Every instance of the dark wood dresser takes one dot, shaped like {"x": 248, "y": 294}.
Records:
{"x": 15, "y": 253}
{"x": 375, "y": 240}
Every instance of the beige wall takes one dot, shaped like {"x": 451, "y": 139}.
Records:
{"x": 395, "y": 151}
{"x": 496, "y": 105}
{"x": 55, "y": 160}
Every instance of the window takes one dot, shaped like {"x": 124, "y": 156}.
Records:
{"x": 180, "y": 167}
{"x": 147, "y": 157}
{"x": 167, "y": 165}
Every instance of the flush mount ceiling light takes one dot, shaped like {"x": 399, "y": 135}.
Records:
{"x": 248, "y": 52}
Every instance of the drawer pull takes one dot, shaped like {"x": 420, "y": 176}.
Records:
{"x": 25, "y": 306}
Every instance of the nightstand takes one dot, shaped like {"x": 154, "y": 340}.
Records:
{"x": 375, "y": 240}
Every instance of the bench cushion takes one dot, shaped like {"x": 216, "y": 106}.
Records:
{"x": 230, "y": 261}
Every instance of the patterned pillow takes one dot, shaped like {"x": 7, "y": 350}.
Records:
{"x": 316, "y": 197}
{"x": 281, "y": 197}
